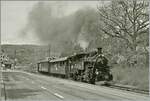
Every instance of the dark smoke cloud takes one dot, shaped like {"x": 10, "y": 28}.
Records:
{"x": 52, "y": 26}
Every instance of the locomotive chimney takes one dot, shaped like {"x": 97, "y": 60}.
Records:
{"x": 99, "y": 50}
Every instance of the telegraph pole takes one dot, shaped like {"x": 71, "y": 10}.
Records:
{"x": 15, "y": 59}
{"x": 0, "y": 51}
{"x": 0, "y": 63}
{"x": 49, "y": 50}
{"x": 0, "y": 48}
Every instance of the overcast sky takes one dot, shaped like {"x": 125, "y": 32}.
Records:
{"x": 14, "y": 18}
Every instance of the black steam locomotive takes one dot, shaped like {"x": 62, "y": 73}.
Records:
{"x": 86, "y": 67}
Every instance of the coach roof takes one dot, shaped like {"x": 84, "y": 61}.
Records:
{"x": 44, "y": 60}
{"x": 59, "y": 59}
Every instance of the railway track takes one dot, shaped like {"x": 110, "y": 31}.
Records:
{"x": 127, "y": 88}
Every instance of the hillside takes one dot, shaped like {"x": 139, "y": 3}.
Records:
{"x": 25, "y": 54}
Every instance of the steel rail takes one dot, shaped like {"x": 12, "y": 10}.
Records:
{"x": 131, "y": 89}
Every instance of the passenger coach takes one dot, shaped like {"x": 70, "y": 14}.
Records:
{"x": 43, "y": 66}
{"x": 56, "y": 67}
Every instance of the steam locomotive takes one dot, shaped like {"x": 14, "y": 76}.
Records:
{"x": 85, "y": 67}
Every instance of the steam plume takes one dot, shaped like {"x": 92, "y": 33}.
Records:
{"x": 52, "y": 26}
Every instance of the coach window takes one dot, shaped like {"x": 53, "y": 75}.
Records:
{"x": 61, "y": 63}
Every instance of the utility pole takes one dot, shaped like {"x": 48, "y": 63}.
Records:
{"x": 0, "y": 54}
{"x": 49, "y": 50}
{"x": 15, "y": 59}
{"x": 0, "y": 61}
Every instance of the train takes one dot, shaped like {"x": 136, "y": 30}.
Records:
{"x": 87, "y": 67}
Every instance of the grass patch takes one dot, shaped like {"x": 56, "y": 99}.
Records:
{"x": 137, "y": 77}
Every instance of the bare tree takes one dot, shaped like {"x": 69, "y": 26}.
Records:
{"x": 125, "y": 19}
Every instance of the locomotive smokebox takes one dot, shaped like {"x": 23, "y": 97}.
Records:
{"x": 99, "y": 50}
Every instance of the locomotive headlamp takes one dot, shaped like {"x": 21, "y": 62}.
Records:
{"x": 97, "y": 72}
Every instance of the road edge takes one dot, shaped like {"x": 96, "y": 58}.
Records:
{"x": 2, "y": 98}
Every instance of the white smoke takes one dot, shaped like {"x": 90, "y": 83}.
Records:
{"x": 81, "y": 40}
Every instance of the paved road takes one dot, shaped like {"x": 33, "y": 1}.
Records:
{"x": 22, "y": 86}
